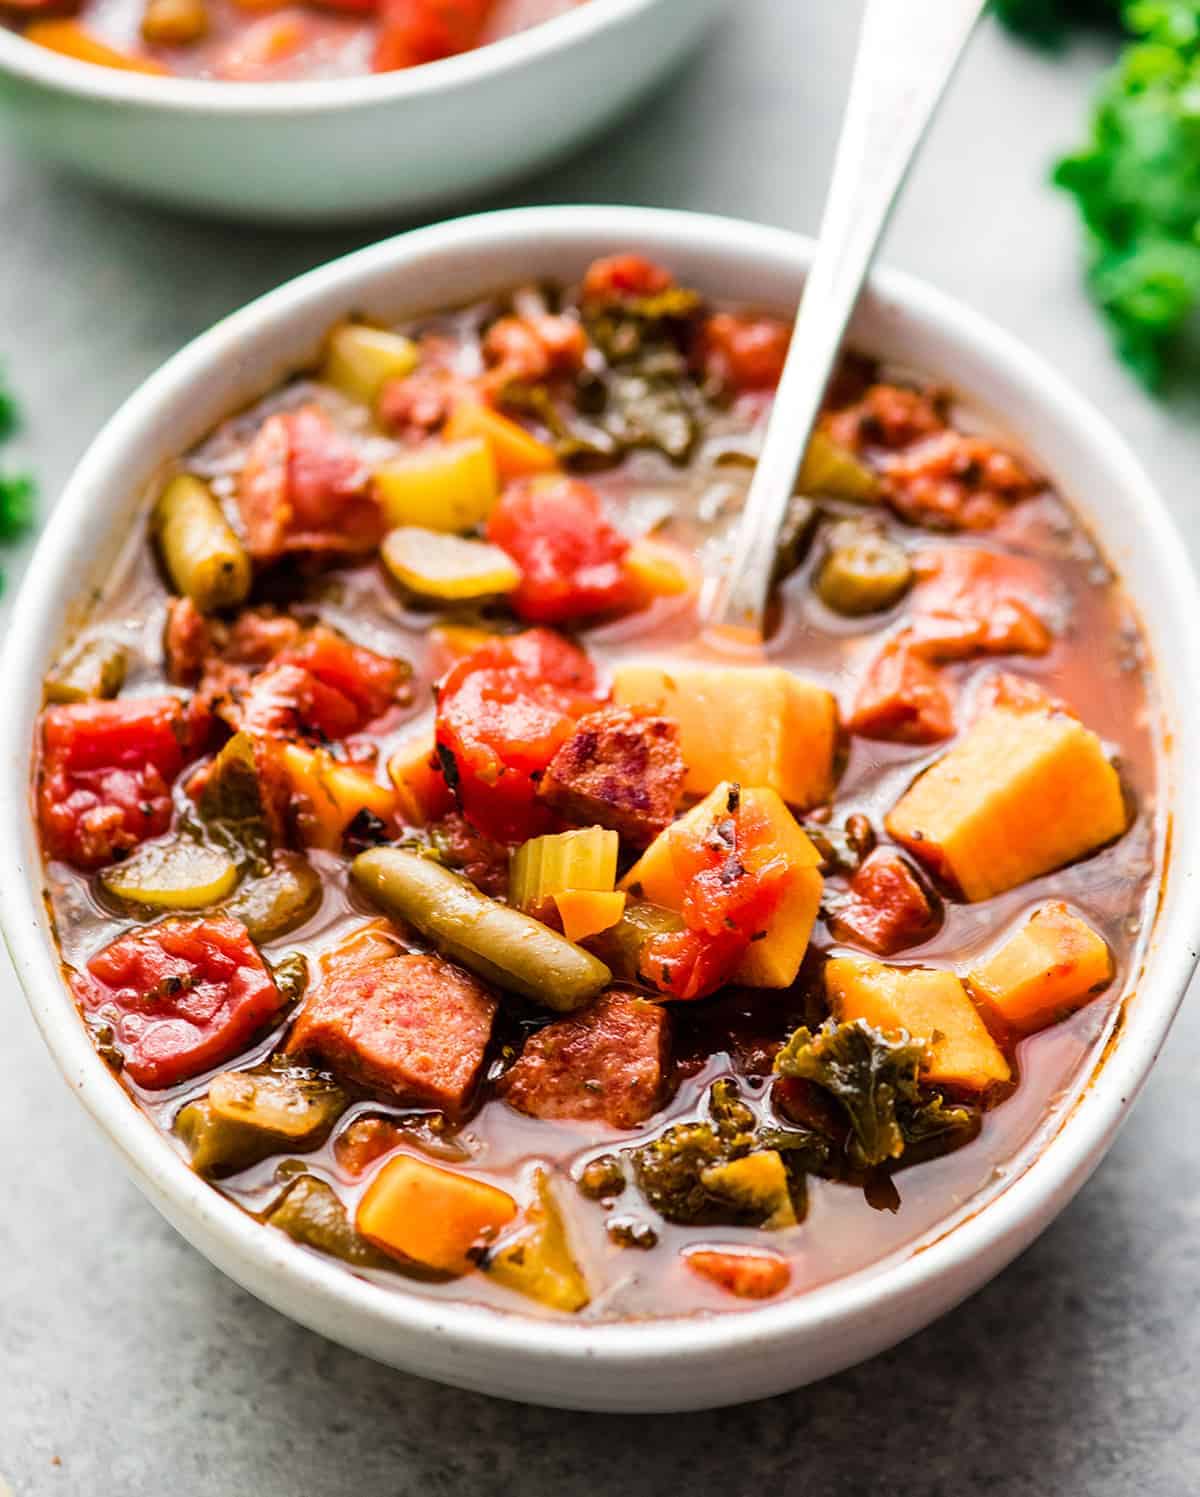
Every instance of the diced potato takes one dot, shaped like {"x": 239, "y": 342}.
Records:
{"x": 69, "y": 39}
{"x": 931, "y": 1004}
{"x": 774, "y": 961}
{"x": 757, "y": 725}
{"x": 546, "y": 866}
{"x": 1053, "y": 965}
{"x": 586, "y": 912}
{"x": 359, "y": 359}
{"x": 333, "y": 794}
{"x": 518, "y": 453}
{"x": 832, "y": 470}
{"x": 1022, "y": 793}
{"x": 430, "y": 1215}
{"x": 757, "y": 1183}
{"x": 447, "y": 568}
{"x": 538, "y": 1262}
{"x": 450, "y": 486}
{"x": 176, "y": 874}
{"x": 422, "y": 794}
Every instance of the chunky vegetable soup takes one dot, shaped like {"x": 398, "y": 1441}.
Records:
{"x": 461, "y": 910}
{"x": 262, "y": 41}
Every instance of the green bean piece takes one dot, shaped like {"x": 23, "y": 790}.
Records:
{"x": 865, "y": 571}
{"x": 175, "y": 874}
{"x": 312, "y": 1214}
{"x": 275, "y": 903}
{"x": 203, "y": 557}
{"x": 95, "y": 671}
{"x": 500, "y": 944}
{"x": 833, "y": 471}
{"x": 249, "y": 1115}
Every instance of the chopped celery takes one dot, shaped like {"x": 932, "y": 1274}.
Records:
{"x": 546, "y": 866}
{"x": 447, "y": 568}
{"x": 445, "y": 486}
{"x": 94, "y": 671}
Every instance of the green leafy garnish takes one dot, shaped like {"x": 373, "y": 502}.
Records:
{"x": 1047, "y": 22}
{"x": 876, "y": 1081}
{"x": 17, "y": 490}
{"x": 1137, "y": 184}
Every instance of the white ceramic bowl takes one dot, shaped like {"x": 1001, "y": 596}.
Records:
{"x": 356, "y": 147}
{"x": 666, "y": 1364}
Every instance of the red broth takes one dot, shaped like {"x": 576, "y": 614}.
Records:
{"x": 273, "y": 42}
{"x": 631, "y": 1257}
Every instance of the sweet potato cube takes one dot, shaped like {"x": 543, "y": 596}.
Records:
{"x": 759, "y": 725}
{"x": 932, "y": 1005}
{"x": 1053, "y": 965}
{"x": 1022, "y": 793}
{"x": 774, "y": 961}
{"x": 430, "y": 1215}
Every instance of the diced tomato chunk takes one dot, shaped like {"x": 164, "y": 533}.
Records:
{"x": 748, "y": 1273}
{"x": 106, "y": 771}
{"x": 365, "y": 1141}
{"x": 531, "y": 348}
{"x": 304, "y": 488}
{"x": 624, "y": 275}
{"x": 323, "y": 686}
{"x": 903, "y": 698}
{"x": 744, "y": 353}
{"x": 419, "y": 31}
{"x": 503, "y": 713}
{"x": 181, "y": 996}
{"x": 734, "y": 875}
{"x": 996, "y": 601}
{"x": 569, "y": 554}
{"x": 886, "y": 908}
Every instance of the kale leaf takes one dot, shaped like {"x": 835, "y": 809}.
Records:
{"x": 1047, "y": 22}
{"x": 876, "y": 1081}
{"x": 1137, "y": 185}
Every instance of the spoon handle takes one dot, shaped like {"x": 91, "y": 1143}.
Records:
{"x": 907, "y": 53}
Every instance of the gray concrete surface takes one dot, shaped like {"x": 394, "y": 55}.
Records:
{"x": 130, "y": 1367}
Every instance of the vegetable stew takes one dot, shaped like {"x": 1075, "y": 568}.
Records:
{"x": 460, "y": 909}
{"x": 249, "y": 41}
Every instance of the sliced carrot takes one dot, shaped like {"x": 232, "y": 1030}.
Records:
{"x": 69, "y": 39}
{"x": 586, "y": 912}
{"x": 750, "y": 1273}
{"x": 517, "y": 452}
{"x": 430, "y": 1215}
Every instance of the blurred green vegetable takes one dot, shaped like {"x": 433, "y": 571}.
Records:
{"x": 1137, "y": 183}
{"x": 17, "y": 490}
{"x": 1046, "y": 22}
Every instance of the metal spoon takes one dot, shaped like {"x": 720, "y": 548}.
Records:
{"x": 907, "y": 53}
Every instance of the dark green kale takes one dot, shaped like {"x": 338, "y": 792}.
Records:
{"x": 1137, "y": 184}
{"x": 1047, "y": 23}
{"x": 876, "y": 1081}
{"x": 644, "y": 395}
{"x": 681, "y": 1175}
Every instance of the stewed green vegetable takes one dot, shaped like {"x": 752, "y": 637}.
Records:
{"x": 864, "y": 571}
{"x": 177, "y": 873}
{"x": 495, "y": 941}
{"x": 275, "y": 902}
{"x": 249, "y": 1115}
{"x": 204, "y": 559}
{"x": 93, "y": 672}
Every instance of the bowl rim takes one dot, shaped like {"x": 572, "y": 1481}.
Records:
{"x": 210, "y": 96}
{"x": 1001, "y": 1226}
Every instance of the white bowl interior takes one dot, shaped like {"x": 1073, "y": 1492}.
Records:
{"x": 665, "y": 1364}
